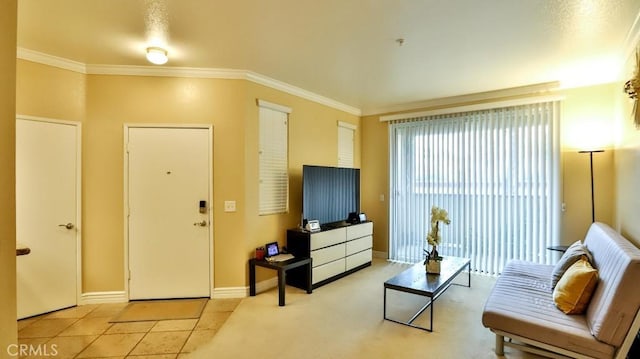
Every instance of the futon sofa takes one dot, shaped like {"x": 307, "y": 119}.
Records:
{"x": 521, "y": 311}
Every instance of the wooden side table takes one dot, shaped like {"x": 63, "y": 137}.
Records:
{"x": 282, "y": 268}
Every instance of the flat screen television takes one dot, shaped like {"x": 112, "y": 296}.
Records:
{"x": 329, "y": 194}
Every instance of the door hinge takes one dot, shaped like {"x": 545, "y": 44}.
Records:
{"x": 129, "y": 275}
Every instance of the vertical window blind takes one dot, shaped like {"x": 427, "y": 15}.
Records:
{"x": 497, "y": 173}
{"x": 273, "y": 159}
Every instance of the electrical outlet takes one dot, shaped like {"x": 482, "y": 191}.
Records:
{"x": 229, "y": 206}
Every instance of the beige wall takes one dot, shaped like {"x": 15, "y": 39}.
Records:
{"x": 313, "y": 139}
{"x": 113, "y": 101}
{"x": 8, "y": 27}
{"x": 588, "y": 118}
{"x": 627, "y": 163}
{"x": 104, "y": 103}
{"x": 585, "y": 111}
{"x": 50, "y": 92}
{"x": 375, "y": 179}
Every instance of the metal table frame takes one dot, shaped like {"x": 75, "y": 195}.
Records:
{"x": 451, "y": 268}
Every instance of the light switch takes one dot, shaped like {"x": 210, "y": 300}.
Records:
{"x": 229, "y": 206}
{"x": 381, "y": 198}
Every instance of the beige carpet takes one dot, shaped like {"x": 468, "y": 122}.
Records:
{"x": 140, "y": 311}
{"x": 344, "y": 320}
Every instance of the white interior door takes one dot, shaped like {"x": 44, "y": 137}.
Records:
{"x": 169, "y": 239}
{"x": 47, "y": 197}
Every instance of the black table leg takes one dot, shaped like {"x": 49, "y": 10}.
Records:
{"x": 384, "y": 304}
{"x": 309, "y": 278}
{"x": 282, "y": 268}
{"x": 281, "y": 284}
{"x": 252, "y": 277}
{"x": 431, "y": 318}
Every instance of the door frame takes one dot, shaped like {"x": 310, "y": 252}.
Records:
{"x": 127, "y": 126}
{"x": 78, "y": 219}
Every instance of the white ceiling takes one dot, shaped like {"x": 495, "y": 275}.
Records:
{"x": 346, "y": 50}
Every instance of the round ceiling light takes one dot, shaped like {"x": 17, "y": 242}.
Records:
{"x": 157, "y": 55}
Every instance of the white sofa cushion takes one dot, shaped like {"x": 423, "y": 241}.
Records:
{"x": 521, "y": 303}
{"x": 617, "y": 296}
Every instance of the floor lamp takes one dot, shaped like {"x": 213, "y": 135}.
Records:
{"x": 593, "y": 208}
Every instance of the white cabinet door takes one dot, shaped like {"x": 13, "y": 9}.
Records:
{"x": 328, "y": 270}
{"x": 359, "y": 244}
{"x": 328, "y": 254}
{"x": 358, "y": 259}
{"x": 359, "y": 230}
{"x": 328, "y": 238}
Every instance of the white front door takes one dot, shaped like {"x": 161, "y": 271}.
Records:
{"x": 168, "y": 232}
{"x": 47, "y": 201}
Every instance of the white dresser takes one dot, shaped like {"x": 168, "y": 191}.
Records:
{"x": 335, "y": 252}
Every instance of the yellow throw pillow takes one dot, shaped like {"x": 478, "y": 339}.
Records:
{"x": 573, "y": 291}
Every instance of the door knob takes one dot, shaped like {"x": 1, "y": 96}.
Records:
{"x": 67, "y": 226}
{"x": 201, "y": 224}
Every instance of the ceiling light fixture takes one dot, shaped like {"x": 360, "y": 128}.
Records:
{"x": 157, "y": 55}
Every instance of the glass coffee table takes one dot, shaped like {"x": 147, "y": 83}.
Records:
{"x": 415, "y": 280}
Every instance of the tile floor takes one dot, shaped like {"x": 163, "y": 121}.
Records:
{"x": 85, "y": 332}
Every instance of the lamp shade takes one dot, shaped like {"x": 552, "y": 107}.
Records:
{"x": 157, "y": 55}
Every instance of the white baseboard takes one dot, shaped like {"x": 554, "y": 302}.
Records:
{"x": 242, "y": 292}
{"x": 229, "y": 292}
{"x": 218, "y": 293}
{"x": 103, "y": 297}
{"x": 381, "y": 255}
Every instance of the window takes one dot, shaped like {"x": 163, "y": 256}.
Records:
{"x": 495, "y": 171}
{"x": 346, "y": 133}
{"x": 273, "y": 158}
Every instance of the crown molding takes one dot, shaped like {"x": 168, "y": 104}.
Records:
{"x": 55, "y": 61}
{"x": 297, "y": 91}
{"x": 161, "y": 71}
{"x": 193, "y": 72}
{"x": 457, "y": 101}
{"x": 474, "y": 107}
